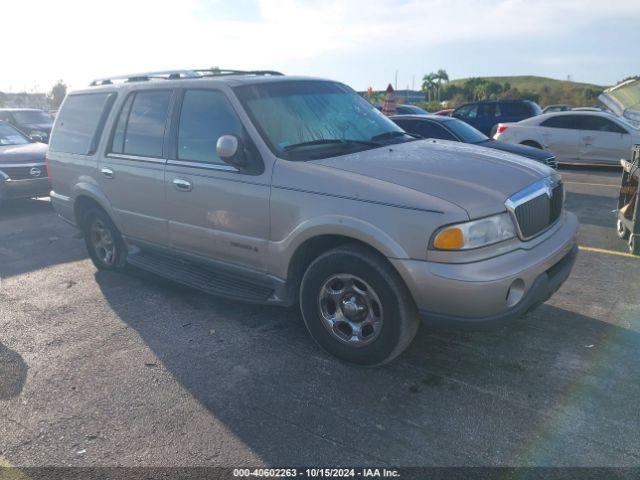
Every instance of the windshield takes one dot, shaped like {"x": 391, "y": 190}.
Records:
{"x": 316, "y": 119}
{"x": 465, "y": 132}
{"x": 32, "y": 117}
{"x": 11, "y": 136}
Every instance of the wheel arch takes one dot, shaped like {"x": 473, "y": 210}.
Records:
{"x": 86, "y": 196}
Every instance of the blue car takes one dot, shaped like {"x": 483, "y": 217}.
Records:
{"x": 487, "y": 114}
{"x": 447, "y": 128}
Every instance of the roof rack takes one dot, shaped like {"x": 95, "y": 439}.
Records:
{"x": 179, "y": 74}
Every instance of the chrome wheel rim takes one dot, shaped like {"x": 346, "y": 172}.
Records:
{"x": 102, "y": 242}
{"x": 350, "y": 309}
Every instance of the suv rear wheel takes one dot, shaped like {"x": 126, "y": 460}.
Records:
{"x": 104, "y": 243}
{"x": 356, "y": 306}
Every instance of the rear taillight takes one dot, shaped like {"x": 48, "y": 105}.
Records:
{"x": 501, "y": 128}
{"x": 46, "y": 165}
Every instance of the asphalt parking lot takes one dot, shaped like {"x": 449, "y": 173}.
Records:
{"x": 128, "y": 369}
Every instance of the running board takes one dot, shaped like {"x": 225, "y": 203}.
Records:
{"x": 205, "y": 279}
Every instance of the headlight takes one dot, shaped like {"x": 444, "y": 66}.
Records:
{"x": 38, "y": 133}
{"x": 474, "y": 234}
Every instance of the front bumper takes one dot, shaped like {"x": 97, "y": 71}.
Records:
{"x": 14, "y": 189}
{"x": 481, "y": 292}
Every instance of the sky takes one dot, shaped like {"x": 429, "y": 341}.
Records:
{"x": 359, "y": 42}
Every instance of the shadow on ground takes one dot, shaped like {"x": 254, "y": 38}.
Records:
{"x": 530, "y": 393}
{"x": 31, "y": 238}
{"x": 13, "y": 373}
{"x": 593, "y": 209}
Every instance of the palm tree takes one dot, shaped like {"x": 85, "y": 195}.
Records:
{"x": 441, "y": 76}
{"x": 428, "y": 84}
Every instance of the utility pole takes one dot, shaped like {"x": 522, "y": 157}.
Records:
{"x": 396, "y": 82}
{"x": 413, "y": 83}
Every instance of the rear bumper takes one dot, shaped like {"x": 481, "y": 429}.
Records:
{"x": 495, "y": 289}
{"x": 14, "y": 189}
{"x": 63, "y": 205}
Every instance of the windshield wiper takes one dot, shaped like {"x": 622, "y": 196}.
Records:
{"x": 331, "y": 141}
{"x": 393, "y": 134}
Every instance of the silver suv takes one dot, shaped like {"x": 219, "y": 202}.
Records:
{"x": 289, "y": 190}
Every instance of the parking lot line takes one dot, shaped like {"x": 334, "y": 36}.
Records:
{"x": 609, "y": 252}
{"x": 9, "y": 472}
{"x": 595, "y": 184}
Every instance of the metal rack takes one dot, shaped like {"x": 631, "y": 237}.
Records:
{"x": 628, "y": 225}
{"x": 179, "y": 74}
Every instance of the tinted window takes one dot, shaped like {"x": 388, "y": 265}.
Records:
{"x": 467, "y": 111}
{"x": 520, "y": 109}
{"x": 143, "y": 131}
{"x": 79, "y": 124}
{"x": 35, "y": 117}
{"x": 562, "y": 121}
{"x": 600, "y": 124}
{"x": 486, "y": 110}
{"x": 205, "y": 117}
{"x": 410, "y": 110}
{"x": 465, "y": 132}
{"x": 426, "y": 129}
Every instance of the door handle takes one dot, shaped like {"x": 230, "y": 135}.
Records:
{"x": 107, "y": 172}
{"x": 182, "y": 185}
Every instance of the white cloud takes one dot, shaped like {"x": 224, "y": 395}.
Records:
{"x": 78, "y": 40}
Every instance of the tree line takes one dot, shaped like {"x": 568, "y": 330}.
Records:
{"x": 438, "y": 89}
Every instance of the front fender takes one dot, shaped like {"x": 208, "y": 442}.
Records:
{"x": 281, "y": 253}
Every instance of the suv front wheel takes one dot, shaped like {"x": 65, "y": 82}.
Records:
{"x": 356, "y": 306}
{"x": 104, "y": 243}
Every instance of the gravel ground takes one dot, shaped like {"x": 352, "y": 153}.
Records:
{"x": 128, "y": 369}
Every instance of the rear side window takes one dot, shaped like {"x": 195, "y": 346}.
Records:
{"x": 562, "y": 121}
{"x": 206, "y": 116}
{"x": 141, "y": 124}
{"x": 80, "y": 123}
{"x": 425, "y": 129}
{"x": 599, "y": 124}
{"x": 467, "y": 111}
{"x": 519, "y": 109}
{"x": 486, "y": 110}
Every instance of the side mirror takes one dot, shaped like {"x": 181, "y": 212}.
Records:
{"x": 231, "y": 151}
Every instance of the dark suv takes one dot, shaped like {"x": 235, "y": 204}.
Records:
{"x": 486, "y": 115}
{"x": 34, "y": 123}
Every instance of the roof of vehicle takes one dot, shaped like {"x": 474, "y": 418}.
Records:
{"x": 168, "y": 79}
{"x": 434, "y": 118}
{"x": 497, "y": 101}
{"x": 543, "y": 116}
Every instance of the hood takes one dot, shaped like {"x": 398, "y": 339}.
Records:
{"x": 29, "y": 153}
{"x": 529, "y": 152}
{"x": 624, "y": 101}
{"x": 42, "y": 127}
{"x": 476, "y": 179}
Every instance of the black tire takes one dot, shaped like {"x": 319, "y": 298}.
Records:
{"x": 93, "y": 218}
{"x": 621, "y": 230}
{"x": 398, "y": 313}
{"x": 531, "y": 143}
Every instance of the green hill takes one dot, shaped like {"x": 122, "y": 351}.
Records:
{"x": 532, "y": 83}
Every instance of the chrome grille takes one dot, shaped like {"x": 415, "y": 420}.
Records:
{"x": 537, "y": 207}
{"x": 23, "y": 172}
